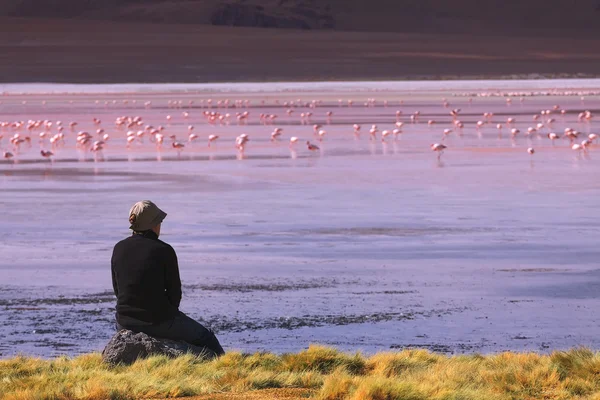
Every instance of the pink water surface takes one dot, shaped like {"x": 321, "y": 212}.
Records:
{"x": 364, "y": 245}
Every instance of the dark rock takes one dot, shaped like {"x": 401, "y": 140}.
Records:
{"x": 126, "y": 346}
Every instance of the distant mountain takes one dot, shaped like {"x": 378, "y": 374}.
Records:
{"x": 496, "y": 17}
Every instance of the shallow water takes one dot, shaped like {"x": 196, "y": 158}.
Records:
{"x": 364, "y": 245}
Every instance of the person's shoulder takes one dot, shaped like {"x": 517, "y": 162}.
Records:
{"x": 166, "y": 246}
{"x": 123, "y": 242}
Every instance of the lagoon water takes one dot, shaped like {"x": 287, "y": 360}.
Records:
{"x": 365, "y": 246}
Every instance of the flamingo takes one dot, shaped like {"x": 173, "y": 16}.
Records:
{"x": 312, "y": 147}
{"x": 276, "y": 134}
{"x": 47, "y": 154}
{"x": 571, "y": 134}
{"x": 439, "y": 148}
{"x": 585, "y": 144}
{"x": 321, "y": 134}
{"x": 159, "y": 138}
{"x": 178, "y": 146}
{"x": 373, "y": 132}
{"x": 212, "y": 138}
{"x": 97, "y": 149}
{"x": 531, "y": 150}
{"x": 293, "y": 141}
{"x": 240, "y": 141}
{"x": 384, "y": 135}
{"x": 130, "y": 140}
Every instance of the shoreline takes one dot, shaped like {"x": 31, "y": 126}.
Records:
{"x": 53, "y": 88}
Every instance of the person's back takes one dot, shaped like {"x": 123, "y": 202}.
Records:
{"x": 146, "y": 282}
{"x": 145, "y": 279}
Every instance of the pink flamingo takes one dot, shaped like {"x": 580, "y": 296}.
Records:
{"x": 439, "y": 148}
{"x": 97, "y": 149}
{"x": 178, "y": 146}
{"x": 192, "y": 137}
{"x": 384, "y": 135}
{"x": 585, "y": 144}
{"x": 373, "y": 132}
{"x": 240, "y": 142}
{"x": 321, "y": 134}
{"x": 212, "y": 138}
{"x": 276, "y": 134}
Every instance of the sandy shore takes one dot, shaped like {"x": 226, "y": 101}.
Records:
{"x": 104, "y": 52}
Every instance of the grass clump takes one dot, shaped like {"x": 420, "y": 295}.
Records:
{"x": 325, "y": 373}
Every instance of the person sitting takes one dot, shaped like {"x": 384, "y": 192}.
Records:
{"x": 145, "y": 277}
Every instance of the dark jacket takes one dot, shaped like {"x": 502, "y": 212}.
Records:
{"x": 145, "y": 278}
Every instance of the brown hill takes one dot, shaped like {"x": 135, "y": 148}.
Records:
{"x": 568, "y": 18}
{"x": 52, "y": 50}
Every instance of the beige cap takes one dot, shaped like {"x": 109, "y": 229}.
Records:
{"x": 145, "y": 215}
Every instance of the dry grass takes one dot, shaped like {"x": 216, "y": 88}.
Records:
{"x": 319, "y": 372}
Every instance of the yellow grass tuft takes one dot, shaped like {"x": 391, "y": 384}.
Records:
{"x": 321, "y": 372}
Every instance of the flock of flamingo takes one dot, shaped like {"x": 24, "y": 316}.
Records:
{"x": 53, "y": 135}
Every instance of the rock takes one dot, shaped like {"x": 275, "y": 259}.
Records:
{"x": 127, "y": 346}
